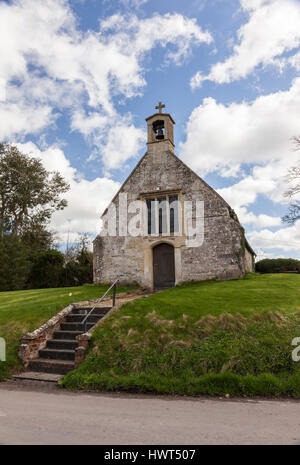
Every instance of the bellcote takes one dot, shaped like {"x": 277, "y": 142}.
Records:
{"x": 160, "y": 131}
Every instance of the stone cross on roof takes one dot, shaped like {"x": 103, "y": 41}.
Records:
{"x": 160, "y": 107}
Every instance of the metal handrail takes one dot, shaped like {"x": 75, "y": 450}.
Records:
{"x": 84, "y": 322}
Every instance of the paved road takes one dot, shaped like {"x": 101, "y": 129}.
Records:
{"x": 31, "y": 416}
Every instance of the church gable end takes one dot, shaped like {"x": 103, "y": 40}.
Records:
{"x": 158, "y": 182}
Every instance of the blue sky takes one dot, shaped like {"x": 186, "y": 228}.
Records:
{"x": 79, "y": 77}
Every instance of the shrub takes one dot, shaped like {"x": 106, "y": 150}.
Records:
{"x": 278, "y": 265}
{"x": 15, "y": 265}
{"x": 47, "y": 270}
{"x": 79, "y": 270}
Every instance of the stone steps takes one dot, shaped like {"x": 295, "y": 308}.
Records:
{"x": 67, "y": 326}
{"x": 57, "y": 354}
{"x": 58, "y": 357}
{"x": 34, "y": 376}
{"x": 66, "y": 344}
{"x": 70, "y": 335}
{"x": 85, "y": 310}
{"x": 79, "y": 318}
{"x": 61, "y": 367}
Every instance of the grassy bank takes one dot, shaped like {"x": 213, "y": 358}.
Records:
{"x": 204, "y": 338}
{"x": 23, "y": 311}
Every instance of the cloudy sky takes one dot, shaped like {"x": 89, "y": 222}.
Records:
{"x": 79, "y": 77}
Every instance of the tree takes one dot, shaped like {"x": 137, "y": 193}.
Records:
{"x": 29, "y": 194}
{"x": 79, "y": 263}
{"x": 47, "y": 270}
{"x": 85, "y": 262}
{"x": 15, "y": 263}
{"x": 293, "y": 178}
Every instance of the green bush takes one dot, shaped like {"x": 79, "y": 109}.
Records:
{"x": 277, "y": 265}
{"x": 79, "y": 270}
{"x": 15, "y": 264}
{"x": 30, "y": 262}
{"x": 47, "y": 270}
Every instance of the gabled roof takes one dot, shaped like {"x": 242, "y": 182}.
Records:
{"x": 161, "y": 114}
{"x": 126, "y": 180}
{"x": 190, "y": 169}
{"x": 180, "y": 161}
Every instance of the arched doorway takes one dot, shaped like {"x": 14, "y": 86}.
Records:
{"x": 163, "y": 266}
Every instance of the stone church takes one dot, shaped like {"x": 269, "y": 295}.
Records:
{"x": 145, "y": 237}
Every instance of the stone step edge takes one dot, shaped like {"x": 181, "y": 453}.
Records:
{"x": 38, "y": 376}
{"x": 49, "y": 349}
{"x": 66, "y": 331}
{"x": 61, "y": 340}
{"x": 52, "y": 361}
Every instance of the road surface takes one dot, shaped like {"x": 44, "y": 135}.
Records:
{"x": 34, "y": 416}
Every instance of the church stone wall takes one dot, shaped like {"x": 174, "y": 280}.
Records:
{"x": 118, "y": 258}
{"x": 249, "y": 264}
{"x": 130, "y": 259}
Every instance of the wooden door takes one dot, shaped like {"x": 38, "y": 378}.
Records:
{"x": 163, "y": 266}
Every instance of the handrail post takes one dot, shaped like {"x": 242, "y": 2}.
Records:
{"x": 114, "y": 295}
{"x": 113, "y": 286}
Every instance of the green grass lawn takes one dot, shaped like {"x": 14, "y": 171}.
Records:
{"x": 203, "y": 338}
{"x": 254, "y": 294}
{"x": 200, "y": 338}
{"x": 24, "y": 311}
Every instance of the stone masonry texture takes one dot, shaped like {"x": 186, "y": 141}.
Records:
{"x": 222, "y": 255}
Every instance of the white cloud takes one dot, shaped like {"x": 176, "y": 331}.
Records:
{"x": 123, "y": 142}
{"x": 257, "y": 221}
{"x": 89, "y": 123}
{"x": 48, "y": 64}
{"x": 86, "y": 199}
{"x": 134, "y": 3}
{"x": 140, "y": 36}
{"x": 130, "y": 4}
{"x": 251, "y": 140}
{"x": 272, "y": 29}
{"x": 287, "y": 239}
{"x": 225, "y": 136}
{"x": 295, "y": 61}
{"x": 44, "y": 34}
{"x": 268, "y": 180}
{"x": 116, "y": 138}
{"x": 21, "y": 119}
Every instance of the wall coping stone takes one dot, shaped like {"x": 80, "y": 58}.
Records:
{"x": 49, "y": 324}
{"x": 33, "y": 342}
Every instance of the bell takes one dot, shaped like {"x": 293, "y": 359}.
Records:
{"x": 160, "y": 134}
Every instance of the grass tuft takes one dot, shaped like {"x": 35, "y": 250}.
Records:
{"x": 178, "y": 347}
